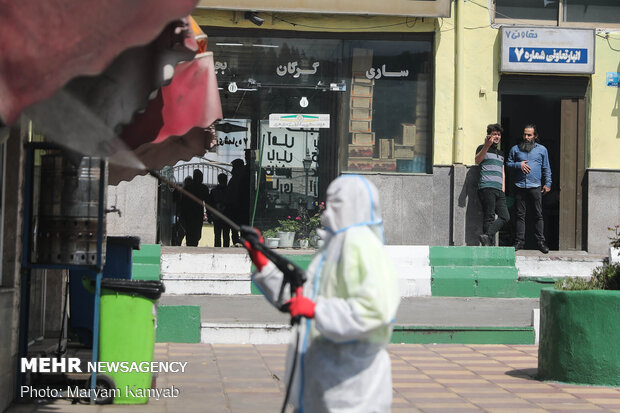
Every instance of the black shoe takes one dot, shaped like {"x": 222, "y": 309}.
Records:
{"x": 542, "y": 247}
{"x": 519, "y": 246}
{"x": 485, "y": 240}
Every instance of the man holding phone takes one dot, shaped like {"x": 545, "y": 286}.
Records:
{"x": 492, "y": 185}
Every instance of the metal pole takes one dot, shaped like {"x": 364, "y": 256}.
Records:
{"x": 24, "y": 302}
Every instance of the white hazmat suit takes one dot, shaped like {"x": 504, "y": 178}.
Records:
{"x": 343, "y": 362}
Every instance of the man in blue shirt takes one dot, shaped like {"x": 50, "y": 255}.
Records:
{"x": 529, "y": 161}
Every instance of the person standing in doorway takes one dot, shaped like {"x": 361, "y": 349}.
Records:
{"x": 239, "y": 196}
{"x": 219, "y": 198}
{"x": 492, "y": 185}
{"x": 193, "y": 213}
{"x": 529, "y": 161}
{"x": 181, "y": 201}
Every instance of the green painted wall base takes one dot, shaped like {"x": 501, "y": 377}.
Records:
{"x": 472, "y": 256}
{"x": 473, "y": 272}
{"x": 530, "y": 287}
{"x": 178, "y": 324}
{"x": 579, "y": 337}
{"x": 146, "y": 262}
{"x": 463, "y": 335}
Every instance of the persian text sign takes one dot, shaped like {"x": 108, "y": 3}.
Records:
{"x": 547, "y": 50}
{"x": 287, "y": 120}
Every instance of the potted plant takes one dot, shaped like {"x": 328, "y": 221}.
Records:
{"x": 303, "y": 241}
{"x": 579, "y": 329}
{"x": 614, "y": 245}
{"x": 309, "y": 222}
{"x": 271, "y": 238}
{"x": 287, "y": 229}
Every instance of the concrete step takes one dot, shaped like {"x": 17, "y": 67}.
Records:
{"x": 226, "y": 271}
{"x": 557, "y": 264}
{"x": 423, "y": 270}
{"x": 251, "y": 319}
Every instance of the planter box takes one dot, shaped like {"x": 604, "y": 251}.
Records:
{"x": 272, "y": 242}
{"x": 286, "y": 239}
{"x": 579, "y": 337}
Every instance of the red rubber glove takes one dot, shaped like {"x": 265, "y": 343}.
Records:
{"x": 257, "y": 257}
{"x": 300, "y": 305}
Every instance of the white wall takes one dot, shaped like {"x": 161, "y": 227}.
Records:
{"x": 137, "y": 201}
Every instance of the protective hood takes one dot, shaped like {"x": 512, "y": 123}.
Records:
{"x": 352, "y": 201}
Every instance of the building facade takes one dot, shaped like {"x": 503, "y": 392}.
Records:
{"x": 405, "y": 100}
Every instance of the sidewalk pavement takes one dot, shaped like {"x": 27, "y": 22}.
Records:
{"x": 426, "y": 378}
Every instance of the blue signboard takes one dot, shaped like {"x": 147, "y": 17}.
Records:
{"x": 612, "y": 79}
{"x": 547, "y": 50}
{"x": 547, "y": 55}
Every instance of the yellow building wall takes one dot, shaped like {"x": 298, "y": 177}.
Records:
{"x": 481, "y": 74}
{"x": 604, "y": 110}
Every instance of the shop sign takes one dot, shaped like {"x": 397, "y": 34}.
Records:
{"x": 612, "y": 79}
{"x": 305, "y": 120}
{"x": 231, "y": 139}
{"x": 284, "y": 153}
{"x": 547, "y": 50}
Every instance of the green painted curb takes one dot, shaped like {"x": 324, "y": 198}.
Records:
{"x": 481, "y": 281}
{"x": 178, "y": 324}
{"x": 146, "y": 263}
{"x": 472, "y": 256}
{"x": 530, "y": 287}
{"x": 579, "y": 336}
{"x": 463, "y": 335}
{"x": 301, "y": 260}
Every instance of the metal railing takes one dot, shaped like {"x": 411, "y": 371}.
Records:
{"x": 209, "y": 172}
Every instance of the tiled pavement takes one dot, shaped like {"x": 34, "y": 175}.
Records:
{"x": 426, "y": 378}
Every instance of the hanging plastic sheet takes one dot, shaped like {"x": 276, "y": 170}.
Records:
{"x": 45, "y": 44}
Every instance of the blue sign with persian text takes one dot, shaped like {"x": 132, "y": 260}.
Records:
{"x": 547, "y": 50}
{"x": 547, "y": 55}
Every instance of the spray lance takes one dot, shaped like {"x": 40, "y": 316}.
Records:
{"x": 293, "y": 275}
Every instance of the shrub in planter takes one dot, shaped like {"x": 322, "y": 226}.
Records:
{"x": 271, "y": 238}
{"x": 579, "y": 329}
{"x": 614, "y": 245}
{"x": 270, "y": 233}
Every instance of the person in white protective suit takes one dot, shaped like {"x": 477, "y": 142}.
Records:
{"x": 351, "y": 298}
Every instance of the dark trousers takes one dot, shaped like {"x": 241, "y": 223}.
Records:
{"x": 193, "y": 231}
{"x": 222, "y": 233}
{"x": 493, "y": 202}
{"x": 533, "y": 197}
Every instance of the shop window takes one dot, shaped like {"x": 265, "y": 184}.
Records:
{"x": 599, "y": 11}
{"x": 527, "y": 9}
{"x": 388, "y": 127}
{"x": 309, "y": 106}
{"x": 570, "y": 13}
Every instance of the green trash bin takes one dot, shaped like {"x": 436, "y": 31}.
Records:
{"x": 127, "y": 334}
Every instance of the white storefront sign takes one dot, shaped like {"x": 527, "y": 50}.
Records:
{"x": 305, "y": 120}
{"x": 547, "y": 50}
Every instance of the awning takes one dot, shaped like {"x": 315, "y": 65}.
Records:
{"x": 44, "y": 44}
{"x": 89, "y": 112}
{"x": 175, "y": 125}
